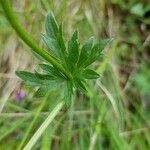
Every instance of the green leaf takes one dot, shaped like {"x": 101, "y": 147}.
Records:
{"x": 45, "y": 76}
{"x": 48, "y": 69}
{"x": 42, "y": 91}
{"x": 97, "y": 51}
{"x": 72, "y": 59}
{"x": 27, "y": 76}
{"x": 60, "y": 40}
{"x": 51, "y": 26}
{"x": 35, "y": 79}
{"x": 89, "y": 74}
{"x": 52, "y": 71}
{"x": 73, "y": 51}
{"x": 85, "y": 52}
{"x": 80, "y": 85}
{"x": 52, "y": 45}
{"x": 68, "y": 91}
{"x": 54, "y": 39}
{"x": 73, "y": 39}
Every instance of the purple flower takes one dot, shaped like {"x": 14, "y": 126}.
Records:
{"x": 19, "y": 95}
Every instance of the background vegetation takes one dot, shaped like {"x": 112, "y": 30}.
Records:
{"x": 115, "y": 114}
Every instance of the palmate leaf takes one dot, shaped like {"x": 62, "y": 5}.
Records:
{"x": 54, "y": 37}
{"x": 42, "y": 90}
{"x": 85, "y": 52}
{"x": 50, "y": 70}
{"x": 75, "y": 59}
{"x": 61, "y": 42}
{"x": 27, "y": 76}
{"x": 89, "y": 74}
{"x": 73, "y": 51}
{"x": 52, "y": 45}
{"x": 74, "y": 38}
{"x": 51, "y": 26}
{"x": 34, "y": 79}
{"x": 96, "y": 51}
{"x": 45, "y": 77}
{"x": 91, "y": 52}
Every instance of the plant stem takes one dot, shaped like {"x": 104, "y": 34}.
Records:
{"x": 44, "y": 125}
{"x": 28, "y": 40}
{"x": 29, "y": 129}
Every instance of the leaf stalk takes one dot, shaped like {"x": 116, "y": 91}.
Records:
{"x": 28, "y": 40}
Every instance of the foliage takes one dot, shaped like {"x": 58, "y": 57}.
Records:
{"x": 76, "y": 59}
{"x": 91, "y": 121}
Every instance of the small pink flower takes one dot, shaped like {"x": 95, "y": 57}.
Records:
{"x": 19, "y": 95}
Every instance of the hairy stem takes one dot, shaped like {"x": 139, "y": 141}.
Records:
{"x": 28, "y": 40}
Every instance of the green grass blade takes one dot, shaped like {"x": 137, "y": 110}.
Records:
{"x": 13, "y": 128}
{"x": 32, "y": 123}
{"x": 43, "y": 127}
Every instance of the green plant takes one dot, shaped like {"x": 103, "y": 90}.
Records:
{"x": 73, "y": 57}
{"x": 66, "y": 64}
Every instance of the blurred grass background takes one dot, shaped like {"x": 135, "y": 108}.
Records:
{"x": 116, "y": 112}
